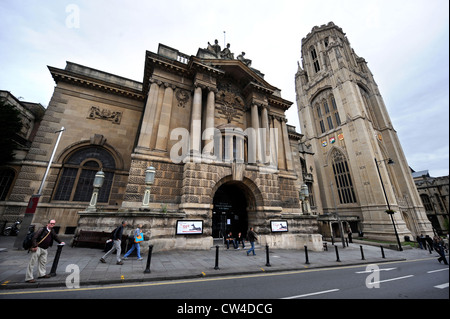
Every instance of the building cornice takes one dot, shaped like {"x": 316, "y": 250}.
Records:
{"x": 94, "y": 83}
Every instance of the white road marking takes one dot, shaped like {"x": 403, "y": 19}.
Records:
{"x": 311, "y": 294}
{"x": 431, "y": 271}
{"x": 392, "y": 279}
{"x": 369, "y": 271}
{"x": 442, "y": 286}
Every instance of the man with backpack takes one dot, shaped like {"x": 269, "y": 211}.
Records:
{"x": 42, "y": 239}
{"x": 117, "y": 241}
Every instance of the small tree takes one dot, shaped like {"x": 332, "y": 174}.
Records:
{"x": 10, "y": 126}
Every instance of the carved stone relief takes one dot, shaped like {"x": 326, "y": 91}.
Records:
{"x": 182, "y": 97}
{"x": 104, "y": 114}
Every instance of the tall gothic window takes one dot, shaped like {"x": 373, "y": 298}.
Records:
{"x": 78, "y": 175}
{"x": 343, "y": 179}
{"x": 335, "y": 111}
{"x": 315, "y": 59}
{"x": 6, "y": 179}
{"x": 327, "y": 113}
{"x": 426, "y": 202}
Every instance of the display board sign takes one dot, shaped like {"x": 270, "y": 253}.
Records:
{"x": 189, "y": 227}
{"x": 279, "y": 226}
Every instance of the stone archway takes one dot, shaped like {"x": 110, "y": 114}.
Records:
{"x": 234, "y": 206}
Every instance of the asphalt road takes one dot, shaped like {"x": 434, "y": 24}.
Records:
{"x": 413, "y": 279}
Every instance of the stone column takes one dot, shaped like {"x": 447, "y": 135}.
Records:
{"x": 280, "y": 159}
{"x": 287, "y": 145}
{"x": 255, "y": 143}
{"x": 148, "y": 118}
{"x": 196, "y": 122}
{"x": 273, "y": 143}
{"x": 164, "y": 120}
{"x": 210, "y": 108}
{"x": 208, "y": 133}
{"x": 265, "y": 137}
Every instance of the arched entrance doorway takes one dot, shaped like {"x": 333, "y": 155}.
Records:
{"x": 230, "y": 209}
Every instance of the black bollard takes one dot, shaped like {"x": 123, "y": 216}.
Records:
{"x": 56, "y": 260}
{"x": 216, "y": 267}
{"x": 362, "y": 252}
{"x": 332, "y": 240}
{"x": 429, "y": 249}
{"x": 337, "y": 253}
{"x": 346, "y": 241}
{"x": 306, "y": 255}
{"x": 149, "y": 259}
{"x": 382, "y": 252}
{"x": 267, "y": 256}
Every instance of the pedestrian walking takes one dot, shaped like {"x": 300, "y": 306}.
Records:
{"x": 42, "y": 240}
{"x": 438, "y": 244}
{"x": 138, "y": 237}
{"x": 424, "y": 242}
{"x": 117, "y": 241}
{"x": 349, "y": 234}
{"x": 429, "y": 241}
{"x": 419, "y": 241}
{"x": 251, "y": 237}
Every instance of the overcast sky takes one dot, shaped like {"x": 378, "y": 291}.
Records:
{"x": 405, "y": 42}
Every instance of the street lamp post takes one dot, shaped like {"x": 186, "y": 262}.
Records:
{"x": 304, "y": 197}
{"x": 98, "y": 183}
{"x": 389, "y": 211}
{"x": 149, "y": 180}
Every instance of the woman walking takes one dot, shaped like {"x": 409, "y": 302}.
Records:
{"x": 138, "y": 237}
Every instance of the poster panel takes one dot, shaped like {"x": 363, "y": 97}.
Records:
{"x": 279, "y": 226}
{"x": 189, "y": 227}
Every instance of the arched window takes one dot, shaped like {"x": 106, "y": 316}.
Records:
{"x": 78, "y": 175}
{"x": 326, "y": 112}
{"x": 343, "y": 179}
{"x": 6, "y": 179}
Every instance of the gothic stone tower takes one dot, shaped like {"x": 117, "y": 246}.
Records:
{"x": 344, "y": 118}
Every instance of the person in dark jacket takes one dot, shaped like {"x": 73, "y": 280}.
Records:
{"x": 251, "y": 237}
{"x": 438, "y": 244}
{"x": 429, "y": 241}
{"x": 240, "y": 239}
{"x": 117, "y": 240}
{"x": 42, "y": 239}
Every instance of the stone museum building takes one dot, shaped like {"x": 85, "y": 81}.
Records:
{"x": 212, "y": 129}
{"x": 201, "y": 147}
{"x": 434, "y": 193}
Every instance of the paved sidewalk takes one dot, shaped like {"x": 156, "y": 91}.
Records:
{"x": 178, "y": 264}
